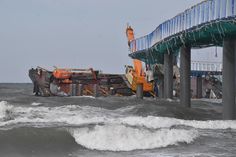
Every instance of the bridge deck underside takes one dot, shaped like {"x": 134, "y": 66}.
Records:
{"x": 205, "y": 35}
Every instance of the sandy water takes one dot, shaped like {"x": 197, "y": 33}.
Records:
{"x": 109, "y": 126}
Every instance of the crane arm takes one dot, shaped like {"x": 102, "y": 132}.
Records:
{"x": 137, "y": 63}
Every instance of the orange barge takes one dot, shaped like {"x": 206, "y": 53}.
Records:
{"x": 78, "y": 82}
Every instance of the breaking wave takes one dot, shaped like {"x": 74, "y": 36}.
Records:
{"x": 124, "y": 138}
{"x": 81, "y": 115}
{"x": 103, "y": 129}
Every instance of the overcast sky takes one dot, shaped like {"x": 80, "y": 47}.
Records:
{"x": 75, "y": 33}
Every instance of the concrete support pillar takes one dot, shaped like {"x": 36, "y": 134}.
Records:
{"x": 80, "y": 89}
{"x": 185, "y": 69}
{"x": 199, "y": 86}
{"x": 228, "y": 100}
{"x": 139, "y": 91}
{"x": 161, "y": 88}
{"x": 73, "y": 89}
{"x": 95, "y": 90}
{"x": 168, "y": 76}
{"x": 235, "y": 74}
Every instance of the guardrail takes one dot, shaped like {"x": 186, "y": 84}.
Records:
{"x": 206, "y": 66}
{"x": 204, "y": 12}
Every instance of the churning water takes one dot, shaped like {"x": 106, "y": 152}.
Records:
{"x": 111, "y": 126}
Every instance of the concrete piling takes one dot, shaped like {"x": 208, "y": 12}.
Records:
{"x": 168, "y": 76}
{"x": 228, "y": 100}
{"x": 73, "y": 89}
{"x": 95, "y": 90}
{"x": 161, "y": 88}
{"x": 80, "y": 89}
{"x": 185, "y": 69}
{"x": 199, "y": 87}
{"x": 139, "y": 91}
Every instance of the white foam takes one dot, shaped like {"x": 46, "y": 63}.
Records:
{"x": 165, "y": 122}
{"x": 170, "y": 100}
{"x": 123, "y": 138}
{"x": 5, "y": 109}
{"x": 119, "y": 131}
{"x": 219, "y": 101}
{"x": 86, "y": 96}
{"x": 36, "y": 104}
{"x": 80, "y": 115}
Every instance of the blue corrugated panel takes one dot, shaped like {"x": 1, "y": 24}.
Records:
{"x": 180, "y": 23}
{"x": 207, "y": 9}
{"x": 201, "y": 13}
{"x": 223, "y": 8}
{"x": 229, "y": 8}
{"x": 202, "y": 10}
{"x": 217, "y": 9}
{"x": 234, "y": 7}
{"x": 189, "y": 19}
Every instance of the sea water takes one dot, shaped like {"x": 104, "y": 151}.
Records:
{"x": 109, "y": 126}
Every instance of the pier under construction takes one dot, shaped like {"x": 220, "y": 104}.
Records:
{"x": 209, "y": 23}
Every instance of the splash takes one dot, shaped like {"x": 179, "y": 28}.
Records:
{"x": 5, "y": 110}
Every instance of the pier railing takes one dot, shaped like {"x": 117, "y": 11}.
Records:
{"x": 206, "y": 66}
{"x": 204, "y": 12}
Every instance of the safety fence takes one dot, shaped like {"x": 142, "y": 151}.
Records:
{"x": 206, "y": 66}
{"x": 204, "y": 12}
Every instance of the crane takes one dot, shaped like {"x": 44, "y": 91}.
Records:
{"x": 136, "y": 74}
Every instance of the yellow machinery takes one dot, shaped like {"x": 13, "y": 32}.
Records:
{"x": 136, "y": 75}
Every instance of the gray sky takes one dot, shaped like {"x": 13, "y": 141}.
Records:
{"x": 75, "y": 33}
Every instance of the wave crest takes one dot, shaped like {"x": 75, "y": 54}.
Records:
{"x": 124, "y": 138}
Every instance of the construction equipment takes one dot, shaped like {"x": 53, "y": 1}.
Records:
{"x": 136, "y": 75}
{"x": 77, "y": 82}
